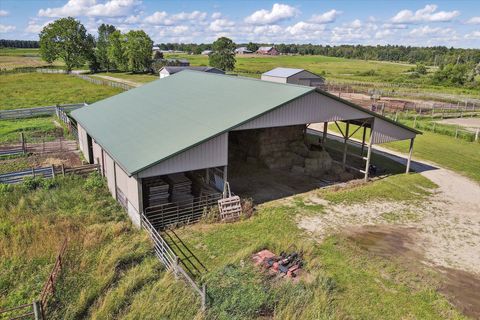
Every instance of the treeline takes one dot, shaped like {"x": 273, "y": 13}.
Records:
{"x": 427, "y": 55}
{"x": 67, "y": 39}
{"x": 18, "y": 43}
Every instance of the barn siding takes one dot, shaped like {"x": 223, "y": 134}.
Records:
{"x": 83, "y": 141}
{"x": 311, "y": 108}
{"x": 274, "y": 79}
{"x": 387, "y": 132}
{"x": 110, "y": 174}
{"x": 213, "y": 153}
{"x": 129, "y": 186}
{"x": 305, "y": 78}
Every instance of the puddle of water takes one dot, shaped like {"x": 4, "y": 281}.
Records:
{"x": 461, "y": 288}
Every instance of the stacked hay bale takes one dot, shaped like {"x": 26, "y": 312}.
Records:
{"x": 280, "y": 148}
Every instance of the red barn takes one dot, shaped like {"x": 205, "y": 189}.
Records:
{"x": 268, "y": 51}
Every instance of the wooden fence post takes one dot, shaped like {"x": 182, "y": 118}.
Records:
{"x": 456, "y": 133}
{"x": 477, "y": 133}
{"x": 37, "y": 310}
{"x": 22, "y": 138}
{"x": 204, "y": 297}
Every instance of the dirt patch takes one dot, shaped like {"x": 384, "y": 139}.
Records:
{"x": 462, "y": 289}
{"x": 386, "y": 241}
{"x": 471, "y": 124}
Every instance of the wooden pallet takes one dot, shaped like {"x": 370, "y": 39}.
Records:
{"x": 230, "y": 208}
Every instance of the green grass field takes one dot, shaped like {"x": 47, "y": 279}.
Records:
{"x": 336, "y": 69}
{"x": 26, "y": 90}
{"x": 110, "y": 271}
{"x": 455, "y": 154}
{"x": 34, "y": 127}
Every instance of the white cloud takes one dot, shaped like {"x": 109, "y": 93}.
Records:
{"x": 195, "y": 15}
{"x": 6, "y": 28}
{"x": 383, "y": 33}
{"x": 426, "y": 14}
{"x": 159, "y": 18}
{"x": 474, "y": 20}
{"x": 326, "y": 17}
{"x": 4, "y": 13}
{"x": 132, "y": 19}
{"x": 356, "y": 24}
{"x": 35, "y": 27}
{"x": 110, "y": 8}
{"x": 221, "y": 25}
{"x": 473, "y": 35}
{"x": 431, "y": 32}
{"x": 216, "y": 15}
{"x": 278, "y": 13}
{"x": 354, "y": 31}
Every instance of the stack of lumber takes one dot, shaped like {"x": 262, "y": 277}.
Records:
{"x": 181, "y": 187}
{"x": 157, "y": 192}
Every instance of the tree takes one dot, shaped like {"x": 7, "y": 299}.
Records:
{"x": 65, "y": 39}
{"x": 115, "y": 51}
{"x": 103, "y": 42}
{"x": 93, "y": 63}
{"x": 223, "y": 56}
{"x": 138, "y": 50}
{"x": 252, "y": 46}
{"x": 421, "y": 69}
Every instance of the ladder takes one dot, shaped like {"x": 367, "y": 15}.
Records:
{"x": 229, "y": 206}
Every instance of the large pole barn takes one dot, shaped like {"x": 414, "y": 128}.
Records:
{"x": 168, "y": 148}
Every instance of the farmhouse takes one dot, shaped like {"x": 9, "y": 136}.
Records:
{"x": 168, "y": 71}
{"x": 268, "y": 51}
{"x": 295, "y": 76}
{"x": 168, "y": 148}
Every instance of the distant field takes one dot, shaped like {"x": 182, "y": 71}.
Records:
{"x": 334, "y": 69}
{"x": 26, "y": 90}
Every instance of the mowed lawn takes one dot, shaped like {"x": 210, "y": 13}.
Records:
{"x": 25, "y": 90}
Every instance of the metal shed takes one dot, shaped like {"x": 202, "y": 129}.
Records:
{"x": 182, "y": 123}
{"x": 294, "y": 76}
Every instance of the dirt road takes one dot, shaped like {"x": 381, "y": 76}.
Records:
{"x": 124, "y": 81}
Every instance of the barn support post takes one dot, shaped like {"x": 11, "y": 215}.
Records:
{"x": 410, "y": 151}
{"x": 345, "y": 145}
{"x": 324, "y": 136}
{"x": 369, "y": 154}
{"x": 363, "y": 139}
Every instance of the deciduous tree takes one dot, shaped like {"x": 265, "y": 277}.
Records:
{"x": 138, "y": 50}
{"x": 103, "y": 42}
{"x": 223, "y": 56}
{"x": 65, "y": 39}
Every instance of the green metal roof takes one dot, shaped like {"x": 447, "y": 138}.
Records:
{"x": 144, "y": 126}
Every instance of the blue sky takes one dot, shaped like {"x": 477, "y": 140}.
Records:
{"x": 416, "y": 23}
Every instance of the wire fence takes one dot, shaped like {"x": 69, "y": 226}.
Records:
{"x": 47, "y": 173}
{"x": 171, "y": 261}
{"x": 104, "y": 82}
{"x": 399, "y": 90}
{"x": 39, "y": 111}
{"x": 38, "y": 309}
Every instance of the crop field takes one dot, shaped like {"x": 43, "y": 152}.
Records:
{"x": 25, "y": 90}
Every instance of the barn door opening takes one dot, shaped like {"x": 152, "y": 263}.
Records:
{"x": 90, "y": 149}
